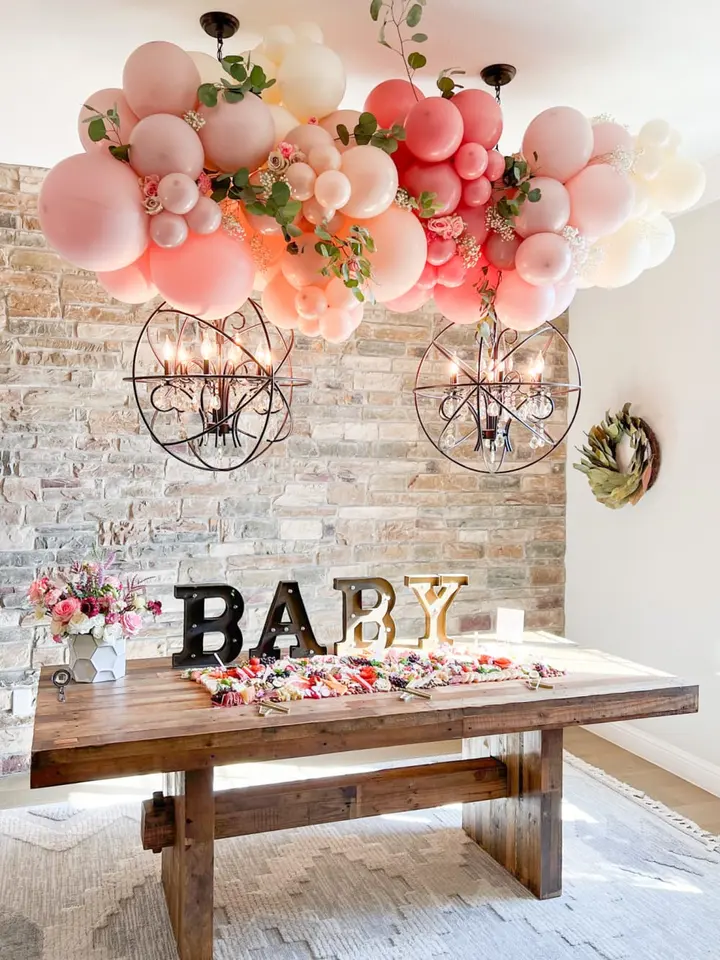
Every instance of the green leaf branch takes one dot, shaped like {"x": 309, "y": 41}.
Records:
{"x": 368, "y": 131}
{"x": 425, "y": 205}
{"x": 445, "y": 83}
{"x": 402, "y": 15}
{"x": 246, "y": 78}
{"x": 517, "y": 179}
{"x": 347, "y": 257}
{"x": 106, "y": 126}
{"x": 278, "y": 204}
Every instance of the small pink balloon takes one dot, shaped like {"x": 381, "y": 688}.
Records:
{"x": 178, "y": 193}
{"x": 168, "y": 230}
{"x": 476, "y": 193}
{"x": 474, "y": 219}
{"x": 303, "y": 268}
{"x": 481, "y": 116}
{"x": 495, "y": 166}
{"x": 549, "y": 214}
{"x": 391, "y": 101}
{"x": 163, "y": 144}
{"x": 543, "y": 259}
{"x": 562, "y": 140}
{"x": 205, "y": 217}
{"x": 433, "y": 129}
{"x": 452, "y": 273}
{"x": 428, "y": 278}
{"x": 501, "y": 253}
{"x": 470, "y": 161}
{"x": 336, "y": 326}
{"x": 311, "y": 302}
{"x": 307, "y": 136}
{"x": 324, "y": 158}
{"x": 237, "y": 135}
{"x": 268, "y": 226}
{"x": 332, "y": 189}
{"x": 160, "y": 77}
{"x": 345, "y": 118}
{"x": 400, "y": 252}
{"x": 601, "y": 200}
{"x": 609, "y": 136}
{"x": 100, "y": 102}
{"x": 373, "y": 181}
{"x": 520, "y": 305}
{"x": 278, "y": 303}
{"x": 415, "y": 298}
{"x": 440, "y": 250}
{"x": 338, "y": 295}
{"x": 132, "y": 284}
{"x": 438, "y": 178}
{"x": 315, "y": 213}
{"x": 301, "y": 179}
{"x": 311, "y": 328}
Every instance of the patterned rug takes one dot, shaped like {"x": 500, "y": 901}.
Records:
{"x": 639, "y": 883}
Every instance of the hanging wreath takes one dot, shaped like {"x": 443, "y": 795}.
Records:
{"x": 610, "y": 485}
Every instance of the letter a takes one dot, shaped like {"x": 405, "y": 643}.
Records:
{"x": 355, "y": 616}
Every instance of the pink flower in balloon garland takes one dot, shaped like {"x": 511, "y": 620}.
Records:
{"x": 313, "y": 121}
{"x": 448, "y": 228}
{"x": 205, "y": 184}
{"x": 149, "y": 187}
{"x": 287, "y": 149}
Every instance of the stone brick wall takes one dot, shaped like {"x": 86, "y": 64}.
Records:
{"x": 355, "y": 490}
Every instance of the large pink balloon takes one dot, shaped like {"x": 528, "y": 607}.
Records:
{"x": 564, "y": 295}
{"x": 346, "y": 118}
{"x": 438, "y": 178}
{"x": 482, "y": 117}
{"x": 160, "y": 77}
{"x": 562, "y": 138}
{"x": 91, "y": 212}
{"x": 336, "y": 325}
{"x": 609, "y": 136}
{"x": 306, "y": 136}
{"x": 549, "y": 214}
{"x": 434, "y": 129}
{"x": 132, "y": 284}
{"x": 209, "y": 276}
{"x": 278, "y": 302}
{"x": 543, "y": 259}
{"x": 237, "y": 135}
{"x": 373, "y": 181}
{"x": 303, "y": 268}
{"x": 520, "y": 305}
{"x": 415, "y": 298}
{"x": 461, "y": 304}
{"x": 101, "y": 102}
{"x": 163, "y": 144}
{"x": 392, "y": 100}
{"x": 400, "y": 252}
{"x": 601, "y": 200}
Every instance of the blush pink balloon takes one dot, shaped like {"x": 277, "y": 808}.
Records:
{"x": 476, "y": 193}
{"x": 168, "y": 230}
{"x": 160, "y": 77}
{"x": 268, "y": 226}
{"x": 324, "y": 158}
{"x": 132, "y": 284}
{"x": 415, "y": 298}
{"x": 564, "y": 295}
{"x": 91, "y": 211}
{"x": 101, "y": 102}
{"x": 501, "y": 253}
{"x": 609, "y": 136}
{"x": 338, "y": 295}
{"x": 303, "y": 268}
{"x": 400, "y": 253}
{"x": 440, "y": 250}
{"x": 301, "y": 179}
{"x": 278, "y": 303}
{"x": 311, "y": 328}
{"x": 356, "y": 313}
{"x": 332, "y": 189}
{"x": 311, "y": 302}
{"x": 210, "y": 276}
{"x": 520, "y": 305}
{"x": 481, "y": 116}
{"x": 346, "y": 118}
{"x": 163, "y": 144}
{"x": 428, "y": 278}
{"x": 470, "y": 161}
{"x": 336, "y": 325}
{"x": 315, "y": 213}
{"x": 237, "y": 134}
{"x": 307, "y": 136}
{"x": 373, "y": 181}
{"x": 549, "y": 214}
{"x": 460, "y": 304}
{"x": 474, "y": 219}
{"x": 495, "y": 166}
{"x": 438, "y": 178}
{"x": 205, "y": 217}
{"x": 601, "y": 200}
{"x": 452, "y": 273}
{"x": 391, "y": 101}
{"x": 178, "y": 193}
{"x": 562, "y": 138}
{"x": 543, "y": 259}
{"x": 433, "y": 129}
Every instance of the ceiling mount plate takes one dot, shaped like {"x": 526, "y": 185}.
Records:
{"x": 220, "y": 26}
{"x": 498, "y": 74}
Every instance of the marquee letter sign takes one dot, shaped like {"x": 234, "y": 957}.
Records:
{"x": 355, "y": 616}
{"x": 287, "y": 617}
{"x": 196, "y": 625}
{"x": 435, "y": 603}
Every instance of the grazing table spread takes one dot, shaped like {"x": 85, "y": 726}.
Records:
{"x": 509, "y": 780}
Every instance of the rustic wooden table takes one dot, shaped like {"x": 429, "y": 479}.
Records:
{"x": 509, "y": 780}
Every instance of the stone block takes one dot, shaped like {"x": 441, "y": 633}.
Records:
{"x": 301, "y": 529}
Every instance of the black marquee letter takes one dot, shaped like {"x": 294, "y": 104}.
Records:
{"x": 287, "y": 617}
{"x": 196, "y": 625}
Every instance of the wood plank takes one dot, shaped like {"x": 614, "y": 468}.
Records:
{"x": 523, "y": 831}
{"x": 283, "y": 806}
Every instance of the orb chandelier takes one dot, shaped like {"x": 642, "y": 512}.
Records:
{"x": 214, "y": 395}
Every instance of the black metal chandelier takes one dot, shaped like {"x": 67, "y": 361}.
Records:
{"x": 214, "y": 395}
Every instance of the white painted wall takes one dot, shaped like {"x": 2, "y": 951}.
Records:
{"x": 643, "y": 582}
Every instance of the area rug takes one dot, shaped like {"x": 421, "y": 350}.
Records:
{"x": 639, "y": 882}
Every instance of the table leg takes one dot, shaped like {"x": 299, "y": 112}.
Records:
{"x": 187, "y": 867}
{"x": 523, "y": 831}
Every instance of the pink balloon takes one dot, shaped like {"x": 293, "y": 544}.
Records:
{"x": 520, "y": 305}
{"x": 301, "y": 179}
{"x": 263, "y": 224}
{"x": 132, "y": 284}
{"x": 460, "y": 304}
{"x": 311, "y": 302}
{"x": 307, "y": 136}
{"x": 209, "y": 276}
{"x": 324, "y": 158}
{"x": 164, "y": 144}
{"x": 495, "y": 166}
{"x": 549, "y": 214}
{"x": 356, "y": 313}
{"x": 543, "y": 259}
{"x": 608, "y": 136}
{"x": 562, "y": 138}
{"x": 433, "y": 129}
{"x": 601, "y": 200}
{"x": 178, "y": 193}
{"x": 332, "y": 189}
{"x": 452, "y": 273}
{"x": 311, "y": 328}
{"x": 437, "y": 178}
{"x": 160, "y": 77}
{"x": 476, "y": 193}
{"x": 373, "y": 181}
{"x": 237, "y": 135}
{"x": 338, "y": 295}
{"x": 168, "y": 230}
{"x": 91, "y": 211}
{"x": 348, "y": 118}
{"x": 101, "y": 102}
{"x": 428, "y": 278}
{"x": 471, "y": 161}
{"x": 415, "y": 298}
{"x": 336, "y": 326}
{"x": 391, "y": 101}
{"x": 440, "y": 250}
{"x": 501, "y": 253}
{"x": 278, "y": 303}
{"x": 315, "y": 213}
{"x": 303, "y": 268}
{"x": 481, "y": 115}
{"x": 564, "y": 295}
{"x": 400, "y": 253}
{"x": 205, "y": 216}
{"x": 475, "y": 225}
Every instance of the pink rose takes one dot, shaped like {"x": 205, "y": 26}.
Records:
{"x": 286, "y": 149}
{"x": 52, "y": 597}
{"x": 65, "y": 610}
{"x": 38, "y": 588}
{"x": 131, "y": 623}
{"x": 150, "y": 185}
{"x": 205, "y": 184}
{"x": 449, "y": 228}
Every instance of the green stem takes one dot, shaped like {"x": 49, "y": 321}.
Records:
{"x": 401, "y": 51}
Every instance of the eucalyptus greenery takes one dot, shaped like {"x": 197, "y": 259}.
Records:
{"x": 278, "y": 204}
{"x": 247, "y": 78}
{"x": 517, "y": 177}
{"x": 486, "y": 293}
{"x": 347, "y": 257}
{"x": 445, "y": 83}
{"x": 399, "y": 14}
{"x": 425, "y": 205}
{"x": 368, "y": 131}
{"x": 98, "y": 124}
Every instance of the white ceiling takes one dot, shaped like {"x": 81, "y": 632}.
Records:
{"x": 635, "y": 59}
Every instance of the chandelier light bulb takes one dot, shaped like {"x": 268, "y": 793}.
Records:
{"x": 207, "y": 348}
{"x": 264, "y": 358}
{"x": 538, "y": 368}
{"x": 454, "y": 372}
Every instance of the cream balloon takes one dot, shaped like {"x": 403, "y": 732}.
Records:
{"x": 373, "y": 181}
{"x": 312, "y": 80}
{"x": 309, "y": 31}
{"x": 209, "y": 68}
{"x": 271, "y": 95}
{"x": 655, "y": 133}
{"x": 284, "y": 121}
{"x": 626, "y": 255}
{"x": 661, "y": 240}
{"x": 648, "y": 160}
{"x": 679, "y": 184}
{"x": 277, "y": 41}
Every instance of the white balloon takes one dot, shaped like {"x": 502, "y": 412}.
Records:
{"x": 648, "y": 161}
{"x": 655, "y": 133}
{"x": 284, "y": 121}
{"x": 679, "y": 184}
{"x": 309, "y": 31}
{"x": 661, "y": 240}
{"x": 272, "y": 95}
{"x": 626, "y": 255}
{"x": 674, "y": 141}
{"x": 277, "y": 41}
{"x": 312, "y": 80}
{"x": 209, "y": 68}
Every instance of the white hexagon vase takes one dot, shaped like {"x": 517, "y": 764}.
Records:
{"x": 94, "y": 661}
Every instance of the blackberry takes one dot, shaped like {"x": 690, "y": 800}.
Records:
{"x": 360, "y": 661}
{"x": 413, "y": 658}
{"x": 398, "y": 682}
{"x": 267, "y": 660}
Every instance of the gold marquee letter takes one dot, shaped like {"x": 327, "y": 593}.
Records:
{"x": 355, "y": 616}
{"x": 435, "y": 603}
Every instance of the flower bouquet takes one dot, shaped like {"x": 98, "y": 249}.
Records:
{"x": 95, "y": 612}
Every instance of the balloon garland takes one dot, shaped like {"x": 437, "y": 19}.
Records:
{"x": 202, "y": 180}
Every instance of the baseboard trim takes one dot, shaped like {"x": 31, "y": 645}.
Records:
{"x": 685, "y": 765}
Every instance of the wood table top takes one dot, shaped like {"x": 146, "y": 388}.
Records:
{"x": 155, "y": 721}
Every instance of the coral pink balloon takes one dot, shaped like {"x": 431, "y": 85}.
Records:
{"x": 433, "y": 129}
{"x": 278, "y": 303}
{"x": 101, "y": 102}
{"x": 332, "y": 189}
{"x": 460, "y": 304}
{"x": 163, "y": 144}
{"x": 415, "y": 298}
{"x": 601, "y": 200}
{"x": 481, "y": 116}
{"x": 549, "y": 214}
{"x": 160, "y": 77}
{"x": 452, "y": 273}
{"x": 324, "y": 158}
{"x": 91, "y": 212}
{"x": 209, "y": 276}
{"x": 609, "y": 136}
{"x": 520, "y": 305}
{"x": 392, "y": 100}
{"x": 168, "y": 230}
{"x": 346, "y": 118}
{"x": 356, "y": 313}
{"x": 400, "y": 253}
{"x": 205, "y": 216}
{"x": 470, "y": 161}
{"x": 311, "y": 302}
{"x": 476, "y": 193}
{"x": 311, "y": 328}
{"x": 440, "y": 250}
{"x": 428, "y": 278}
{"x": 373, "y": 181}
{"x": 301, "y": 179}
{"x": 336, "y": 326}
{"x": 438, "y": 178}
{"x": 237, "y": 134}
{"x": 475, "y": 225}
{"x": 543, "y": 259}
{"x": 338, "y": 295}
{"x": 495, "y": 166}
{"x": 132, "y": 284}
{"x": 315, "y": 213}
{"x": 307, "y": 136}
{"x": 562, "y": 138}
{"x": 501, "y": 253}
{"x": 178, "y": 193}
{"x": 303, "y": 268}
